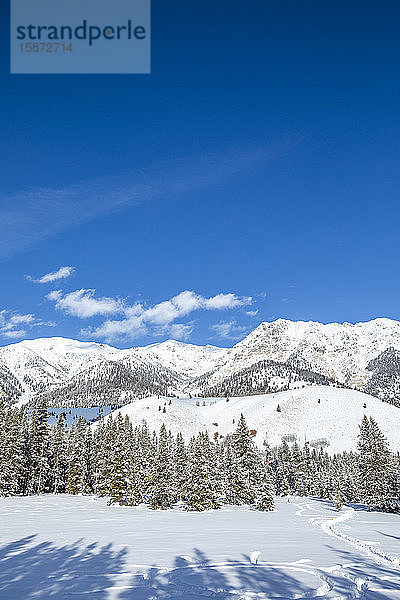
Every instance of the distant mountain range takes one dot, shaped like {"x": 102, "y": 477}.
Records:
{"x": 274, "y": 357}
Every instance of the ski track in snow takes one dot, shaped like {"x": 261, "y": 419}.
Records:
{"x": 369, "y": 549}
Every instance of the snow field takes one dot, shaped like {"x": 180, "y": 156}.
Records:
{"x": 77, "y": 547}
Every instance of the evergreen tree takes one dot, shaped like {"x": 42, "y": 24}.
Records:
{"x": 340, "y": 496}
{"x": 119, "y": 476}
{"x": 181, "y": 466}
{"x": 5, "y": 451}
{"x": 265, "y": 493}
{"x": 162, "y": 493}
{"x": 283, "y": 469}
{"x": 200, "y": 494}
{"x": 77, "y": 458}
{"x": 266, "y": 489}
{"x": 104, "y": 444}
{"x": 59, "y": 459}
{"x": 134, "y": 496}
{"x": 39, "y": 450}
{"x": 376, "y": 468}
{"x": 246, "y": 460}
{"x": 299, "y": 471}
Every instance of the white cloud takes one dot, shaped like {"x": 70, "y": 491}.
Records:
{"x": 111, "y": 330}
{"x": 228, "y": 330}
{"x": 17, "y": 319}
{"x": 15, "y": 325}
{"x": 187, "y": 301}
{"x": 139, "y": 320}
{"x": 179, "y": 331}
{"x": 223, "y": 301}
{"x": 83, "y": 304}
{"x": 61, "y": 273}
{"x": 14, "y": 334}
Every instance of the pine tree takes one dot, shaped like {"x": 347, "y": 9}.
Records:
{"x": 246, "y": 471}
{"x": 265, "y": 494}
{"x": 228, "y": 473}
{"x": 59, "y": 459}
{"x": 6, "y": 483}
{"x": 200, "y": 494}
{"x": 340, "y": 496}
{"x": 283, "y": 469}
{"x": 266, "y": 488}
{"x": 376, "y": 468}
{"x": 299, "y": 471}
{"x": 161, "y": 494}
{"x": 119, "y": 476}
{"x": 181, "y": 466}
{"x": 144, "y": 454}
{"x": 88, "y": 462}
{"x": 104, "y": 443}
{"x": 77, "y": 457}
{"x": 39, "y": 450}
{"x": 134, "y": 496}
{"x": 23, "y": 449}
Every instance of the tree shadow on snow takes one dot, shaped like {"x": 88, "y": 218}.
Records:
{"x": 201, "y": 578}
{"x": 44, "y": 570}
{"x": 376, "y": 575}
{"x": 394, "y": 537}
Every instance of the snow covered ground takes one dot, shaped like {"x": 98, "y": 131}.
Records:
{"x": 311, "y": 414}
{"x": 76, "y": 547}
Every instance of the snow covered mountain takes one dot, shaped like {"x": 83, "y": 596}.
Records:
{"x": 323, "y": 416}
{"x": 275, "y": 356}
{"x": 69, "y": 372}
{"x": 364, "y": 356}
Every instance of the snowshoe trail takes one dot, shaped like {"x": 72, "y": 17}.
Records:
{"x": 369, "y": 549}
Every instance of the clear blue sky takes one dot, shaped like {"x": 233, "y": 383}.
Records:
{"x": 259, "y": 159}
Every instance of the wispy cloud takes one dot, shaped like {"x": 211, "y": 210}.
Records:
{"x": 14, "y": 325}
{"x": 137, "y": 319}
{"x": 61, "y": 273}
{"x": 228, "y": 330}
{"x": 179, "y": 331}
{"x": 32, "y": 215}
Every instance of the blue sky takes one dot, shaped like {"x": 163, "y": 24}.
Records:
{"x": 256, "y": 169}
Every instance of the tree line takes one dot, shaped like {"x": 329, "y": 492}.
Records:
{"x": 132, "y": 465}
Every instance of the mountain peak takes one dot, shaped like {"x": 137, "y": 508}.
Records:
{"x": 273, "y": 356}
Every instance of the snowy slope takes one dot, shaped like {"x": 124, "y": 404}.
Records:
{"x": 335, "y": 418}
{"x": 364, "y": 356}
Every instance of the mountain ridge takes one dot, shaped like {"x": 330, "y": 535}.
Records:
{"x": 275, "y": 356}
